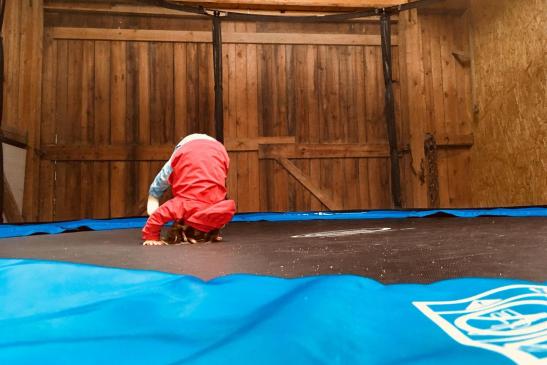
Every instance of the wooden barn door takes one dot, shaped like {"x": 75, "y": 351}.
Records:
{"x": 304, "y": 118}
{"x": 115, "y": 102}
{"x": 303, "y": 111}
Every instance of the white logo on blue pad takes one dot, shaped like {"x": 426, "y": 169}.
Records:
{"x": 511, "y": 320}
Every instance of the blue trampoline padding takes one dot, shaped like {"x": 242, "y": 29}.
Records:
{"x": 59, "y": 313}
{"x": 7, "y": 230}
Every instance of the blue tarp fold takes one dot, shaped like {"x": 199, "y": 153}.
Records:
{"x": 59, "y": 313}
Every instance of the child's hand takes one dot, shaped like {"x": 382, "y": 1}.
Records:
{"x": 154, "y": 243}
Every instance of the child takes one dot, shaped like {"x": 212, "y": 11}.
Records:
{"x": 197, "y": 172}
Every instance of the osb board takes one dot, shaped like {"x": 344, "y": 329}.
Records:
{"x": 509, "y": 159}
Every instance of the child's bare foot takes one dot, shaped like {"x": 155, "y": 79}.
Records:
{"x": 154, "y": 243}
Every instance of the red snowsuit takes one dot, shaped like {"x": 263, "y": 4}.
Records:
{"x": 198, "y": 180}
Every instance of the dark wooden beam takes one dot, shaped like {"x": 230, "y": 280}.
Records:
{"x": 389, "y": 109}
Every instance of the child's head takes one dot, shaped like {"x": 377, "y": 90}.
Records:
{"x": 194, "y": 235}
{"x": 180, "y": 233}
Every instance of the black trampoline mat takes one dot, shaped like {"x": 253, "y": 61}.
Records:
{"x": 391, "y": 251}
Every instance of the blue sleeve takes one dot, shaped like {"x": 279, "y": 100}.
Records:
{"x": 161, "y": 183}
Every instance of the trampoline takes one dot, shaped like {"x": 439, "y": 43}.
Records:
{"x": 413, "y": 250}
{"x": 326, "y": 289}
{"x": 355, "y": 287}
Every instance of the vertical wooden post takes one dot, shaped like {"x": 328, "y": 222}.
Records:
{"x": 413, "y": 106}
{"x": 2, "y": 10}
{"x": 217, "y": 59}
{"x": 30, "y": 106}
{"x": 389, "y": 109}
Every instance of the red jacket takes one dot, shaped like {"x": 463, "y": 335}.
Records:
{"x": 198, "y": 183}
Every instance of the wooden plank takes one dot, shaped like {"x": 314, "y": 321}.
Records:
{"x": 98, "y": 152}
{"x": 349, "y": 183}
{"x": 192, "y": 88}
{"x": 47, "y": 135}
{"x": 230, "y": 109}
{"x": 12, "y": 54}
{"x": 324, "y": 151}
{"x": 30, "y": 92}
{"x": 144, "y": 177}
{"x": 262, "y": 165}
{"x": 179, "y": 55}
{"x": 138, "y": 35}
{"x": 430, "y": 29}
{"x": 252, "y": 122}
{"x": 253, "y": 143}
{"x": 70, "y": 132}
{"x": 61, "y": 117}
{"x": 102, "y": 115}
{"x": 131, "y": 123}
{"x": 414, "y": 95}
{"x": 267, "y": 96}
{"x": 320, "y": 194}
{"x": 143, "y": 152}
{"x": 62, "y": 6}
{"x": 118, "y": 174}
{"x": 13, "y": 137}
{"x": 112, "y": 8}
{"x": 280, "y": 127}
{"x": 315, "y": 5}
{"x": 375, "y": 124}
{"x": 290, "y": 87}
{"x": 178, "y": 36}
{"x": 304, "y": 39}
{"x": 324, "y": 174}
{"x": 241, "y": 111}
{"x": 303, "y": 197}
{"x": 313, "y": 112}
{"x": 360, "y": 119}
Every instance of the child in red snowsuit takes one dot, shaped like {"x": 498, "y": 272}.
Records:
{"x": 197, "y": 173}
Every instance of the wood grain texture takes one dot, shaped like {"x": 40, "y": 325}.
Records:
{"x": 311, "y": 94}
{"x": 509, "y": 159}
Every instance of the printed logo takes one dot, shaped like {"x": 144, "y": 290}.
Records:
{"x": 511, "y": 320}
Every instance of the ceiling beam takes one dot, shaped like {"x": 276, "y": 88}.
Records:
{"x": 296, "y": 5}
{"x": 270, "y": 5}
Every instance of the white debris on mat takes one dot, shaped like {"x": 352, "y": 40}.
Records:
{"x": 342, "y": 233}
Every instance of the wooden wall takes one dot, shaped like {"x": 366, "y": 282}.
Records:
{"x": 303, "y": 109}
{"x": 436, "y": 102}
{"x": 509, "y": 160}
{"x": 22, "y": 33}
{"x": 292, "y": 88}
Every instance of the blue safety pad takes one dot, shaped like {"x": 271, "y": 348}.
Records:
{"x": 59, "y": 313}
{"x": 7, "y": 230}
